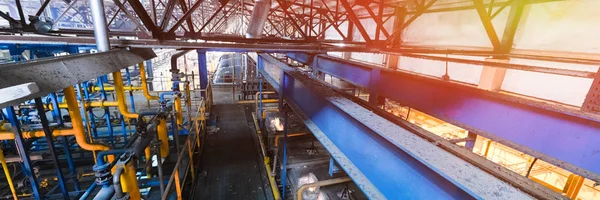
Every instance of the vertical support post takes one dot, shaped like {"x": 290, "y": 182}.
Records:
{"x": 100, "y": 28}
{"x": 150, "y": 74}
{"x": 492, "y": 77}
{"x": 106, "y": 109}
{"x": 72, "y": 169}
{"x": 349, "y": 38}
{"x": 399, "y": 18}
{"x": 86, "y": 95}
{"x": 130, "y": 91}
{"x": 203, "y": 71}
{"x": 284, "y": 160}
{"x": 470, "y": 143}
{"x": 373, "y": 96}
{"x": 573, "y": 186}
{"x": 175, "y": 133}
{"x": 56, "y": 115}
{"x": 48, "y": 133}
{"x": 20, "y": 144}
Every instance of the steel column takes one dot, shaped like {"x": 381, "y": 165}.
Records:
{"x": 202, "y": 71}
{"x": 44, "y": 121}
{"x": 23, "y": 151}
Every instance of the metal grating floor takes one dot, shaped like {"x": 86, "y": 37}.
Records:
{"x": 231, "y": 166}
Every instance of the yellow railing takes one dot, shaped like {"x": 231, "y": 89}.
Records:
{"x": 198, "y": 126}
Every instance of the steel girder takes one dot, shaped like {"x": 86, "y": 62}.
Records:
{"x": 385, "y": 160}
{"x": 52, "y": 74}
{"x": 561, "y": 136}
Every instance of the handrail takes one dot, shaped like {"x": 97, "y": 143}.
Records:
{"x": 174, "y": 179}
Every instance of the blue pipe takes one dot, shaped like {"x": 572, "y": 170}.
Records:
{"x": 26, "y": 164}
{"x": 123, "y": 128}
{"x": 101, "y": 80}
{"x": 162, "y": 95}
{"x": 86, "y": 95}
{"x": 130, "y": 92}
{"x": 56, "y": 112}
{"x": 88, "y": 191}
{"x": 100, "y": 156}
{"x": 105, "y": 193}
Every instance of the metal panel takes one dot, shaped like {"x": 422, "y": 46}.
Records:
{"x": 51, "y": 74}
{"x": 561, "y": 136}
{"x": 385, "y": 160}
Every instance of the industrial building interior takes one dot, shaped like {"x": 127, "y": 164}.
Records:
{"x": 299, "y": 99}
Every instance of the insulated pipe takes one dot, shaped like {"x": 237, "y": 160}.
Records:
{"x": 100, "y": 28}
{"x": 258, "y": 19}
{"x": 118, "y": 79}
{"x": 145, "y": 83}
{"x": 321, "y": 183}
{"x": 77, "y": 122}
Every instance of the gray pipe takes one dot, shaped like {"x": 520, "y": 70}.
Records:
{"x": 105, "y": 193}
{"x": 100, "y": 29}
{"x": 117, "y": 182}
{"x": 258, "y": 19}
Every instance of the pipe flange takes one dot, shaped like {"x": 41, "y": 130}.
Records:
{"x": 102, "y": 174}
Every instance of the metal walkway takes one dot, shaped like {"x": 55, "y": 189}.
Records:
{"x": 231, "y": 165}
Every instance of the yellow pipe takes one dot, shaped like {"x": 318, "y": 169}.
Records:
{"x": 129, "y": 182}
{"x": 164, "y": 138}
{"x": 121, "y": 96}
{"x": 145, "y": 83}
{"x": 264, "y": 113}
{"x": 321, "y": 183}
{"x": 36, "y": 134}
{"x": 178, "y": 111}
{"x": 77, "y": 122}
{"x": 7, "y": 174}
{"x": 112, "y": 88}
{"x": 278, "y": 136}
{"x": 148, "y": 162}
{"x": 253, "y": 101}
{"x": 89, "y": 104}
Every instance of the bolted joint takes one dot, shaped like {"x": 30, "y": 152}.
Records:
{"x": 102, "y": 174}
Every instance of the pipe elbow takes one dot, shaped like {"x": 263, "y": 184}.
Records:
{"x": 77, "y": 122}
{"x": 121, "y": 96}
{"x": 145, "y": 83}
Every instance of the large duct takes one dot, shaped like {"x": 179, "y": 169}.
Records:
{"x": 259, "y": 17}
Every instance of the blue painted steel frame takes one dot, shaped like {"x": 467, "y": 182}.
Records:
{"x": 563, "y": 137}
{"x": 20, "y": 144}
{"x": 382, "y": 170}
{"x": 203, "y": 70}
